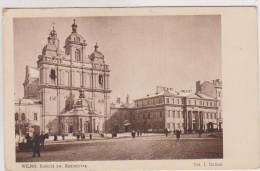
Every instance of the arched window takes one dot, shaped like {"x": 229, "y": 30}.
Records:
{"x": 23, "y": 117}
{"x": 16, "y": 116}
{"x": 77, "y": 55}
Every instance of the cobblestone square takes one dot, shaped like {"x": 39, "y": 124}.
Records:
{"x": 140, "y": 148}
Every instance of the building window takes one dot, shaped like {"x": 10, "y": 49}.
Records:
{"x": 215, "y": 115}
{"x": 169, "y": 114}
{"x": 207, "y": 115}
{"x": 160, "y": 114}
{"x": 23, "y": 116}
{"x": 173, "y": 114}
{"x": 35, "y": 116}
{"x": 16, "y": 116}
{"x": 100, "y": 80}
{"x": 77, "y": 55}
{"x": 173, "y": 126}
{"x": 200, "y": 102}
{"x": 194, "y": 102}
{"x": 178, "y": 101}
{"x": 167, "y": 100}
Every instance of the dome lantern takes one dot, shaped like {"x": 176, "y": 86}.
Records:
{"x": 74, "y": 26}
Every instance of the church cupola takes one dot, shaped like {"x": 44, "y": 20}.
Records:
{"x": 75, "y": 45}
{"x": 96, "y": 55}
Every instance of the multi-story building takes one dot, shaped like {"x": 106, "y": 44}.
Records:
{"x": 121, "y": 113}
{"x": 62, "y": 76}
{"x": 27, "y": 116}
{"x": 171, "y": 109}
{"x": 212, "y": 89}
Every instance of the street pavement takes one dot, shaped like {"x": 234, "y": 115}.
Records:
{"x": 127, "y": 148}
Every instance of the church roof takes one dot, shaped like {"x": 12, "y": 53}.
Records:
{"x": 96, "y": 54}
{"x": 74, "y": 37}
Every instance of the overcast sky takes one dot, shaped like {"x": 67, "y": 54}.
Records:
{"x": 142, "y": 52}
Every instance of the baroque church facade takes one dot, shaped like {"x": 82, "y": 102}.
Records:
{"x": 73, "y": 86}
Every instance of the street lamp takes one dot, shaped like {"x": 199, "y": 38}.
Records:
{"x": 19, "y": 120}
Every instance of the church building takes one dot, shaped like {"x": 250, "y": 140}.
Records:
{"x": 73, "y": 86}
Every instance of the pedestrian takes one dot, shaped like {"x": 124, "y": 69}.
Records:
{"x": 36, "y": 145}
{"x": 138, "y": 133}
{"x": 200, "y": 133}
{"x": 166, "y": 132}
{"x": 42, "y": 139}
{"x": 133, "y": 134}
{"x": 90, "y": 136}
{"x": 178, "y": 134}
{"x": 55, "y": 137}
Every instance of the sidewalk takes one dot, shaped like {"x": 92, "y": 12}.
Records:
{"x": 98, "y": 138}
{"x": 95, "y": 136}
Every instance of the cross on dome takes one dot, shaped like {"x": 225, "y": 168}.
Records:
{"x": 96, "y": 46}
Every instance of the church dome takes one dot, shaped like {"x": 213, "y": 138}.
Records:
{"x": 96, "y": 55}
{"x": 74, "y": 36}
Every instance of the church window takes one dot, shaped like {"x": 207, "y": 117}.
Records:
{"x": 16, "y": 116}
{"x": 77, "y": 55}
{"x": 35, "y": 116}
{"x": 100, "y": 80}
{"x": 23, "y": 116}
{"x": 53, "y": 74}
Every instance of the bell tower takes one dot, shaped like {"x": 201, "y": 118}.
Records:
{"x": 75, "y": 45}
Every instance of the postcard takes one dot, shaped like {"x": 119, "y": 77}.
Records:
{"x": 131, "y": 88}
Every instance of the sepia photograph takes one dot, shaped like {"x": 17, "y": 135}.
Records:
{"x": 118, "y": 88}
{"x": 156, "y": 88}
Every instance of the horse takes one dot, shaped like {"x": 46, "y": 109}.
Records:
{"x": 42, "y": 139}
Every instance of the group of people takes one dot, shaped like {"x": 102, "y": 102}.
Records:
{"x": 138, "y": 133}
{"x": 34, "y": 143}
{"x": 176, "y": 132}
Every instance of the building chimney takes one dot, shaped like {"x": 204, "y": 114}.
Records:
{"x": 198, "y": 87}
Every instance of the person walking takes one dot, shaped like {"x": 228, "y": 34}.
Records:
{"x": 178, "y": 134}
{"x": 133, "y": 134}
{"x": 36, "y": 145}
{"x": 166, "y": 132}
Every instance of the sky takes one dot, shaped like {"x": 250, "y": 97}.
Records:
{"x": 143, "y": 51}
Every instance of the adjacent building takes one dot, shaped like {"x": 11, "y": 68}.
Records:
{"x": 185, "y": 110}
